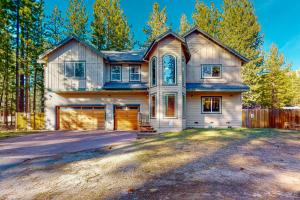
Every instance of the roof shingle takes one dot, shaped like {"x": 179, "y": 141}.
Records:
{"x": 217, "y": 87}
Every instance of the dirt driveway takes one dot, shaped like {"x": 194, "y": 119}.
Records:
{"x": 16, "y": 150}
{"x": 193, "y": 164}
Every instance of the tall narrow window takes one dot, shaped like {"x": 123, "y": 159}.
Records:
{"x": 183, "y": 105}
{"x": 169, "y": 70}
{"x": 115, "y": 73}
{"x": 153, "y": 106}
{"x": 135, "y": 73}
{"x": 211, "y": 104}
{"x": 183, "y": 74}
{"x": 75, "y": 69}
{"x": 170, "y": 105}
{"x": 153, "y": 71}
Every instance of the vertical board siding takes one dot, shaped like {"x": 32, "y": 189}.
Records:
{"x": 231, "y": 111}
{"x": 268, "y": 118}
{"x": 74, "y": 51}
{"x": 204, "y": 51}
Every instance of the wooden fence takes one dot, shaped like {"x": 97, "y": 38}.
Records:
{"x": 271, "y": 118}
{"x": 33, "y": 121}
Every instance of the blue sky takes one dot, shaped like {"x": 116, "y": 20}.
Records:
{"x": 279, "y": 20}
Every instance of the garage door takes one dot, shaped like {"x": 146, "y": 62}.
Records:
{"x": 81, "y": 117}
{"x": 126, "y": 117}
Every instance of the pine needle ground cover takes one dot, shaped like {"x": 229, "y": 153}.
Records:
{"x": 192, "y": 164}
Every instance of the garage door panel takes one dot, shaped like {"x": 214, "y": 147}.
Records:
{"x": 82, "y": 118}
{"x": 126, "y": 119}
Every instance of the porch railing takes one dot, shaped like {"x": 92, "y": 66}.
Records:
{"x": 143, "y": 119}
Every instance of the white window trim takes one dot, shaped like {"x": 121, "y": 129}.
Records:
{"x": 211, "y": 65}
{"x": 163, "y": 83}
{"x": 154, "y": 58}
{"x": 74, "y": 69}
{"x": 139, "y": 73}
{"x": 154, "y": 94}
{"x": 211, "y": 112}
{"x": 166, "y": 102}
{"x": 111, "y": 73}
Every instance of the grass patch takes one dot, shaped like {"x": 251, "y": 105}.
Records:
{"x": 15, "y": 133}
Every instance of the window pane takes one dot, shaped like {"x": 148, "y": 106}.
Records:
{"x": 206, "y": 104}
{"x": 69, "y": 69}
{"x": 206, "y": 71}
{"x": 153, "y": 72}
{"x": 170, "y": 106}
{"x": 215, "y": 104}
{"x": 169, "y": 70}
{"x": 153, "y": 106}
{"x": 116, "y": 69}
{"x": 116, "y": 77}
{"x": 134, "y": 69}
{"x": 79, "y": 70}
{"x": 134, "y": 77}
{"x": 216, "y": 71}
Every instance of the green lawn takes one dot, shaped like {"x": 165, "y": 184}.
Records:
{"x": 15, "y": 133}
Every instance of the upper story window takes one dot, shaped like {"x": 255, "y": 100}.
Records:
{"x": 211, "y": 104}
{"x": 75, "y": 69}
{"x": 153, "y": 64}
{"x": 169, "y": 70}
{"x": 135, "y": 73}
{"x": 115, "y": 72}
{"x": 211, "y": 71}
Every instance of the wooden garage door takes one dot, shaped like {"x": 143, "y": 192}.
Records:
{"x": 81, "y": 118}
{"x": 126, "y": 117}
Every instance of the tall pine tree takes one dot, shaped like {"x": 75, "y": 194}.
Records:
{"x": 184, "y": 25}
{"x": 157, "y": 23}
{"x": 275, "y": 83}
{"x": 55, "y": 27}
{"x": 240, "y": 30}
{"x": 77, "y": 19}
{"x": 207, "y": 18}
{"x": 110, "y": 27}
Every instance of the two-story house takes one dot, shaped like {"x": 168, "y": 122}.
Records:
{"x": 178, "y": 82}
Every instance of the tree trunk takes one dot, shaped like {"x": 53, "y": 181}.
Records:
{"x": 17, "y": 58}
{"x": 27, "y": 86}
{"x": 34, "y": 97}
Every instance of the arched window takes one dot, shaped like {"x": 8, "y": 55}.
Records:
{"x": 153, "y": 69}
{"x": 169, "y": 70}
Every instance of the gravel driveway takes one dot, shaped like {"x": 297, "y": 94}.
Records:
{"x": 193, "y": 164}
{"x": 13, "y": 151}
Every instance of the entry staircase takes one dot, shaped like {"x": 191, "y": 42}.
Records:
{"x": 144, "y": 124}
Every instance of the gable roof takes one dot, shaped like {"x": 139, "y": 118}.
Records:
{"x": 125, "y": 56}
{"x": 216, "y": 41}
{"x": 67, "y": 40}
{"x": 164, "y": 35}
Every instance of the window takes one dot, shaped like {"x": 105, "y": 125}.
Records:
{"x": 153, "y": 71}
{"x": 135, "y": 73}
{"x": 170, "y": 105}
{"x": 153, "y": 106}
{"x": 115, "y": 73}
{"x": 75, "y": 69}
{"x": 211, "y": 104}
{"x": 183, "y": 74}
{"x": 169, "y": 70}
{"x": 211, "y": 71}
{"x": 183, "y": 105}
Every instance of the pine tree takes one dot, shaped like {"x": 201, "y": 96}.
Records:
{"x": 110, "y": 27}
{"x": 207, "y": 18}
{"x": 77, "y": 19}
{"x": 240, "y": 30}
{"x": 157, "y": 23}
{"x": 275, "y": 84}
{"x": 184, "y": 25}
{"x": 55, "y": 27}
